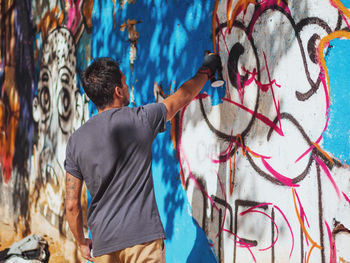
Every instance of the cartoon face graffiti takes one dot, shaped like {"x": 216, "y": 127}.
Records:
{"x": 56, "y": 111}
{"x": 266, "y": 134}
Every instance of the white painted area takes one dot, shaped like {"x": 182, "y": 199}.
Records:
{"x": 277, "y": 37}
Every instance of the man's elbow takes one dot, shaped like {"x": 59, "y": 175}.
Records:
{"x": 72, "y": 206}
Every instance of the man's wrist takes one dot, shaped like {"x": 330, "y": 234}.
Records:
{"x": 205, "y": 71}
{"x": 82, "y": 242}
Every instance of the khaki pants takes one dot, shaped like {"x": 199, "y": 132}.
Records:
{"x": 150, "y": 252}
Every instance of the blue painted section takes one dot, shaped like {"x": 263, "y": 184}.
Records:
{"x": 346, "y": 3}
{"x": 337, "y": 135}
{"x": 173, "y": 37}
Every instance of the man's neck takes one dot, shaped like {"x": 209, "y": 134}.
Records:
{"x": 114, "y": 106}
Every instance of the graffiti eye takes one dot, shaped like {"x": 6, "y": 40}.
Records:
{"x": 45, "y": 77}
{"x": 65, "y": 78}
{"x": 64, "y": 110}
{"x": 45, "y": 99}
{"x": 64, "y": 104}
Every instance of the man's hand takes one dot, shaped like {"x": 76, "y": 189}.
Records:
{"x": 193, "y": 86}
{"x": 211, "y": 64}
{"x": 85, "y": 249}
{"x": 75, "y": 215}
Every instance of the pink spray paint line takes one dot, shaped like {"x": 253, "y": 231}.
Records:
{"x": 229, "y": 148}
{"x": 335, "y": 252}
{"x": 261, "y": 86}
{"x": 310, "y": 148}
{"x": 259, "y": 116}
{"x": 241, "y": 242}
{"x": 285, "y": 180}
{"x": 302, "y": 215}
{"x": 283, "y": 215}
{"x": 277, "y": 107}
{"x": 324, "y": 83}
{"x": 345, "y": 20}
{"x": 346, "y": 198}
{"x": 223, "y": 192}
{"x": 254, "y": 207}
{"x": 263, "y": 6}
{"x": 302, "y": 211}
{"x": 326, "y": 171}
{"x": 240, "y": 89}
{"x": 222, "y": 34}
{"x": 260, "y": 212}
{"x": 305, "y": 153}
{"x": 331, "y": 258}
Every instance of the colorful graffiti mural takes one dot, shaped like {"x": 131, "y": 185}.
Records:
{"x": 253, "y": 171}
{"x": 59, "y": 107}
{"x": 16, "y": 86}
{"x": 9, "y": 103}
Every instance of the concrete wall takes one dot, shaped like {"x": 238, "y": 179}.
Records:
{"x": 253, "y": 171}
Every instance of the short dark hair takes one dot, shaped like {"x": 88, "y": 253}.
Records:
{"x": 100, "y": 79}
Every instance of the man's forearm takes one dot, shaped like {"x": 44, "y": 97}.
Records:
{"x": 193, "y": 86}
{"x": 184, "y": 94}
{"x": 75, "y": 220}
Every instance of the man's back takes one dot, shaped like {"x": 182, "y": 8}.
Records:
{"x": 112, "y": 153}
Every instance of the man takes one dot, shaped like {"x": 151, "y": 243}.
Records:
{"x": 112, "y": 152}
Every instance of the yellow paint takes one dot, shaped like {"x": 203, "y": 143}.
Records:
{"x": 341, "y": 7}
{"x": 309, "y": 254}
{"x": 245, "y": 149}
{"x": 343, "y": 260}
{"x": 324, "y": 41}
{"x": 323, "y": 152}
{"x": 51, "y": 20}
{"x": 303, "y": 226}
{"x": 88, "y": 6}
{"x": 241, "y": 5}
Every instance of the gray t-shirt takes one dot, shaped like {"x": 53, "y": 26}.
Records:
{"x": 112, "y": 153}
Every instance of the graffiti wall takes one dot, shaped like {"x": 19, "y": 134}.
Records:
{"x": 253, "y": 171}
{"x": 265, "y": 185}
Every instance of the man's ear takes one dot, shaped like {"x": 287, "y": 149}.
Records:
{"x": 118, "y": 92}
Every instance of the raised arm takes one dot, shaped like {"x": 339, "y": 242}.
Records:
{"x": 75, "y": 215}
{"x": 193, "y": 86}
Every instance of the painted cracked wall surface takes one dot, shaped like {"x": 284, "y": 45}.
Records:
{"x": 253, "y": 171}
